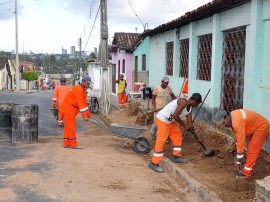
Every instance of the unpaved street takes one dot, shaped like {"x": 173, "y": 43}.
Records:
{"x": 100, "y": 172}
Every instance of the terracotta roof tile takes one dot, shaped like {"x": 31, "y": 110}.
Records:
{"x": 124, "y": 41}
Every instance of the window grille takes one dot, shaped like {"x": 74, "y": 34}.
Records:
{"x": 143, "y": 62}
{"x": 184, "y": 58}
{"x": 233, "y": 66}
{"x": 204, "y": 57}
{"x": 169, "y": 52}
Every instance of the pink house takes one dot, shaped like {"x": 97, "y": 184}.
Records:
{"x": 122, "y": 58}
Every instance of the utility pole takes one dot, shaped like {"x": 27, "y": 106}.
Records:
{"x": 18, "y": 79}
{"x": 105, "y": 93}
{"x": 80, "y": 47}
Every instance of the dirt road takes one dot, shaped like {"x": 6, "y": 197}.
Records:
{"x": 100, "y": 172}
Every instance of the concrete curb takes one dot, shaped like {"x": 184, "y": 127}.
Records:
{"x": 201, "y": 190}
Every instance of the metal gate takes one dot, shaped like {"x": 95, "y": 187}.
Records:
{"x": 233, "y": 66}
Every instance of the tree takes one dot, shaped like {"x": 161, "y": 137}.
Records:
{"x": 30, "y": 76}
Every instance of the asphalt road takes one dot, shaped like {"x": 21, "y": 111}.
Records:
{"x": 46, "y": 120}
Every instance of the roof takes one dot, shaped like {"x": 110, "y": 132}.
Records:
{"x": 3, "y": 62}
{"x": 207, "y": 10}
{"x": 124, "y": 41}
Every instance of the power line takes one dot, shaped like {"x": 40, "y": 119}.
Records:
{"x": 6, "y": 2}
{"x": 92, "y": 28}
{"x": 136, "y": 15}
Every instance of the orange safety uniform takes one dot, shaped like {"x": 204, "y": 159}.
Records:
{"x": 185, "y": 89}
{"x": 74, "y": 102}
{"x": 59, "y": 94}
{"x": 122, "y": 96}
{"x": 168, "y": 127}
{"x": 254, "y": 127}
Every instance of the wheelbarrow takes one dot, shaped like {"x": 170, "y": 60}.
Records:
{"x": 141, "y": 144}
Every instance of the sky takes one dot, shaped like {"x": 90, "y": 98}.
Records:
{"x": 47, "y": 26}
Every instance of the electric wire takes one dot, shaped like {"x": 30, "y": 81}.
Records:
{"x": 136, "y": 14}
{"x": 6, "y": 2}
{"x": 91, "y": 29}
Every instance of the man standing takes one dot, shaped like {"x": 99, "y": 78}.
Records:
{"x": 245, "y": 124}
{"x": 122, "y": 96}
{"x": 160, "y": 99}
{"x": 167, "y": 121}
{"x": 59, "y": 94}
{"x": 75, "y": 102}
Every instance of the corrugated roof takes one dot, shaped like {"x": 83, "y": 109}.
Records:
{"x": 124, "y": 41}
{"x": 202, "y": 12}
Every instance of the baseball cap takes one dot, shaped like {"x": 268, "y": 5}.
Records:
{"x": 196, "y": 96}
{"x": 165, "y": 79}
{"x": 220, "y": 116}
{"x": 87, "y": 79}
{"x": 121, "y": 75}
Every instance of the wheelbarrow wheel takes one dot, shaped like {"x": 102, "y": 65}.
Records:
{"x": 142, "y": 145}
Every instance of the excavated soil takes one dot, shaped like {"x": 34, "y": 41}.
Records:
{"x": 217, "y": 172}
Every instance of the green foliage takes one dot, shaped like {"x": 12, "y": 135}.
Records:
{"x": 30, "y": 76}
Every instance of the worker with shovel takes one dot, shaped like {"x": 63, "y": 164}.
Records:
{"x": 160, "y": 99}
{"x": 167, "y": 121}
{"x": 245, "y": 124}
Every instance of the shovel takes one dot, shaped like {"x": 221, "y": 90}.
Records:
{"x": 206, "y": 152}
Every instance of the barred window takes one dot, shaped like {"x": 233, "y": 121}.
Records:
{"x": 169, "y": 57}
{"x": 184, "y": 57}
{"x": 143, "y": 62}
{"x": 204, "y": 57}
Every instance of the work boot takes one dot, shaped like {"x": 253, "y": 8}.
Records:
{"x": 178, "y": 159}
{"x": 77, "y": 147}
{"x": 239, "y": 174}
{"x": 155, "y": 167}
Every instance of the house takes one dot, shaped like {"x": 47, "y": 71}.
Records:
{"x": 122, "y": 58}
{"x": 7, "y": 74}
{"x": 223, "y": 46}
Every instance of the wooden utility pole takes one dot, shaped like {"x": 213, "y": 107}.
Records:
{"x": 17, "y": 74}
{"x": 105, "y": 93}
{"x": 80, "y": 61}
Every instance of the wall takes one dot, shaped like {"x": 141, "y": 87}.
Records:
{"x": 128, "y": 64}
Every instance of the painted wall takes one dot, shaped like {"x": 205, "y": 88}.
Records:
{"x": 142, "y": 48}
{"x": 128, "y": 64}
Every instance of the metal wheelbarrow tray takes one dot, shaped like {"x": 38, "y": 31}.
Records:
{"x": 141, "y": 144}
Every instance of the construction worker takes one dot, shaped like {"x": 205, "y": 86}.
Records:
{"x": 245, "y": 124}
{"x": 160, "y": 99}
{"x": 74, "y": 102}
{"x": 167, "y": 121}
{"x": 122, "y": 96}
{"x": 58, "y": 97}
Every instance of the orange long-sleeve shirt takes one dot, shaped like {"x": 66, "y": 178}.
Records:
{"x": 244, "y": 123}
{"x": 75, "y": 102}
{"x": 60, "y": 93}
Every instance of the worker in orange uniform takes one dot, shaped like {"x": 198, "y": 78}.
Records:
{"x": 184, "y": 92}
{"x": 58, "y": 97}
{"x": 122, "y": 95}
{"x": 245, "y": 124}
{"x": 167, "y": 121}
{"x": 75, "y": 102}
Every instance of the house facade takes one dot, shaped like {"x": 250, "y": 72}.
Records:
{"x": 224, "y": 47}
{"x": 122, "y": 58}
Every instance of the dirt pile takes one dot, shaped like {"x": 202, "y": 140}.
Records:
{"x": 217, "y": 173}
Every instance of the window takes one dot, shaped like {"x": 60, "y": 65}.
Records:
{"x": 204, "y": 57}
{"x": 169, "y": 57}
{"x": 143, "y": 62}
{"x": 184, "y": 58}
{"x": 123, "y": 66}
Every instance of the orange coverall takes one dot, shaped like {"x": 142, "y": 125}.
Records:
{"x": 73, "y": 103}
{"x": 185, "y": 89}
{"x": 59, "y": 94}
{"x": 254, "y": 127}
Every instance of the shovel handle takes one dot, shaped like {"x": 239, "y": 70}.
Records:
{"x": 196, "y": 137}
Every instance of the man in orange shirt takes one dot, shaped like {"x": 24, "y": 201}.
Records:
{"x": 250, "y": 125}
{"x": 75, "y": 102}
{"x": 59, "y": 94}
